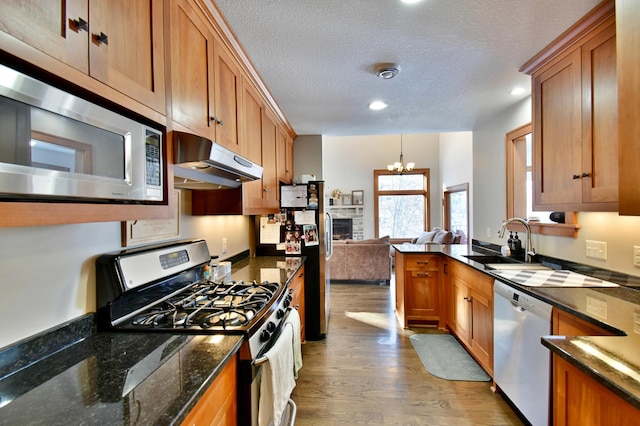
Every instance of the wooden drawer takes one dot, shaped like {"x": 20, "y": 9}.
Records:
{"x": 422, "y": 263}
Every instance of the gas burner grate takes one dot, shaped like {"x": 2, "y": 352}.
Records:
{"x": 209, "y": 305}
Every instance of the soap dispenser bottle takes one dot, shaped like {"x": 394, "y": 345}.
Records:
{"x": 517, "y": 244}
{"x": 510, "y": 242}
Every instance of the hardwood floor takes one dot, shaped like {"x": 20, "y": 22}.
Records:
{"x": 366, "y": 372}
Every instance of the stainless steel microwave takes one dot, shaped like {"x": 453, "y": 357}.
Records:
{"x": 55, "y": 146}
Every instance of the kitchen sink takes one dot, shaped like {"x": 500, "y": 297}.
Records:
{"x": 503, "y": 263}
{"x": 490, "y": 258}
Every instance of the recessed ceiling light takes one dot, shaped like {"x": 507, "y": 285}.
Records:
{"x": 377, "y": 105}
{"x": 517, "y": 91}
{"x": 411, "y": 1}
{"x": 387, "y": 71}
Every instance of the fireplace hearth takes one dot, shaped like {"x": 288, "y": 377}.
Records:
{"x": 342, "y": 229}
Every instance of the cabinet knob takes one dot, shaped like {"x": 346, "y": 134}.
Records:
{"x": 101, "y": 38}
{"x": 422, "y": 274}
{"x": 79, "y": 24}
{"x": 585, "y": 175}
{"x": 468, "y": 299}
{"x": 213, "y": 119}
{"x": 422, "y": 262}
{"x": 220, "y": 122}
{"x": 576, "y": 177}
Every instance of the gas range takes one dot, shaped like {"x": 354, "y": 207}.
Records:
{"x": 163, "y": 289}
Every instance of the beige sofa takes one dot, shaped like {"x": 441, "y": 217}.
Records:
{"x": 440, "y": 236}
{"x": 361, "y": 260}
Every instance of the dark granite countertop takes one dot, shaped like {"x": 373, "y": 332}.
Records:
{"x": 614, "y": 361}
{"x": 74, "y": 372}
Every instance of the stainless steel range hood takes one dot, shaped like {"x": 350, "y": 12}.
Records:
{"x": 200, "y": 163}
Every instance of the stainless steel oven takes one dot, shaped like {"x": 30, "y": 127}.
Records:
{"x": 55, "y": 146}
{"x": 163, "y": 289}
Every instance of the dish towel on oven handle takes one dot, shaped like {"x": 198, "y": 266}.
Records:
{"x": 293, "y": 318}
{"x": 277, "y": 380}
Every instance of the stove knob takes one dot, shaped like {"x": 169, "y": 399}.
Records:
{"x": 287, "y": 300}
{"x": 265, "y": 335}
{"x": 271, "y": 327}
{"x": 280, "y": 313}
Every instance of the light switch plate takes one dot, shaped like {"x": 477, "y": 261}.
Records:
{"x": 636, "y": 255}
{"x": 597, "y": 307}
{"x": 597, "y": 249}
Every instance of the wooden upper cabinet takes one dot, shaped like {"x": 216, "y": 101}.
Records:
{"x": 260, "y": 196}
{"x": 251, "y": 116}
{"x": 575, "y": 143}
{"x": 192, "y": 86}
{"x": 52, "y": 27}
{"x": 628, "y": 61}
{"x": 126, "y": 48}
{"x": 117, "y": 42}
{"x": 285, "y": 156}
{"x": 270, "y": 193}
{"x": 206, "y": 82}
{"x": 557, "y": 132}
{"x": 228, "y": 92}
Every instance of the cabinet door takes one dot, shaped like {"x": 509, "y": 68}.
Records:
{"x": 261, "y": 196}
{"x": 628, "y": 63}
{"x": 423, "y": 300}
{"x": 271, "y": 194}
{"x": 218, "y": 405}
{"x": 285, "y": 157}
{"x": 251, "y": 116}
{"x": 191, "y": 70}
{"x": 461, "y": 310}
{"x": 557, "y": 134}
{"x": 228, "y": 90}
{"x": 297, "y": 301}
{"x": 53, "y": 27}
{"x": 600, "y": 120}
{"x": 126, "y": 48}
{"x": 580, "y": 400}
{"x": 482, "y": 328}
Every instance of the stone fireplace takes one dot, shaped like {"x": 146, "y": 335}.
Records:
{"x": 342, "y": 229}
{"x": 355, "y": 214}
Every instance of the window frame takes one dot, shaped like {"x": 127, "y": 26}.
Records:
{"x": 446, "y": 205}
{"x": 426, "y": 193}
{"x": 568, "y": 229}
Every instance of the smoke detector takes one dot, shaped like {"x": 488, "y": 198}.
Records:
{"x": 387, "y": 71}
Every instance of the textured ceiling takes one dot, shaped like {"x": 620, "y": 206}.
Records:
{"x": 459, "y": 59}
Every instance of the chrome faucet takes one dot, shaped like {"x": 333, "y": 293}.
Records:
{"x": 530, "y": 250}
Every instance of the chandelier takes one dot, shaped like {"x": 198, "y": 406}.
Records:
{"x": 399, "y": 168}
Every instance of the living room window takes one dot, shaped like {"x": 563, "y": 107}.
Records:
{"x": 456, "y": 208}
{"x": 401, "y": 204}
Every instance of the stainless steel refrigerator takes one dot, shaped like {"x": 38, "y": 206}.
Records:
{"x": 303, "y": 204}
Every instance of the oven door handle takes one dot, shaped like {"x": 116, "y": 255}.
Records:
{"x": 264, "y": 359}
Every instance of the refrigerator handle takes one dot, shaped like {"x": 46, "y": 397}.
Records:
{"x": 328, "y": 235}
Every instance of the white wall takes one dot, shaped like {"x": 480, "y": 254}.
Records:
{"x": 48, "y": 273}
{"x": 489, "y": 203}
{"x": 307, "y": 155}
{"x": 349, "y": 161}
{"x": 456, "y": 164}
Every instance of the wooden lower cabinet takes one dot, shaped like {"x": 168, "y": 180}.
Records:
{"x": 218, "y": 406}
{"x": 565, "y": 324}
{"x": 580, "y": 400}
{"x": 297, "y": 301}
{"x": 469, "y": 310}
{"x": 418, "y": 289}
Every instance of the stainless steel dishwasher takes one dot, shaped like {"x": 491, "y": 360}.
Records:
{"x": 521, "y": 365}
